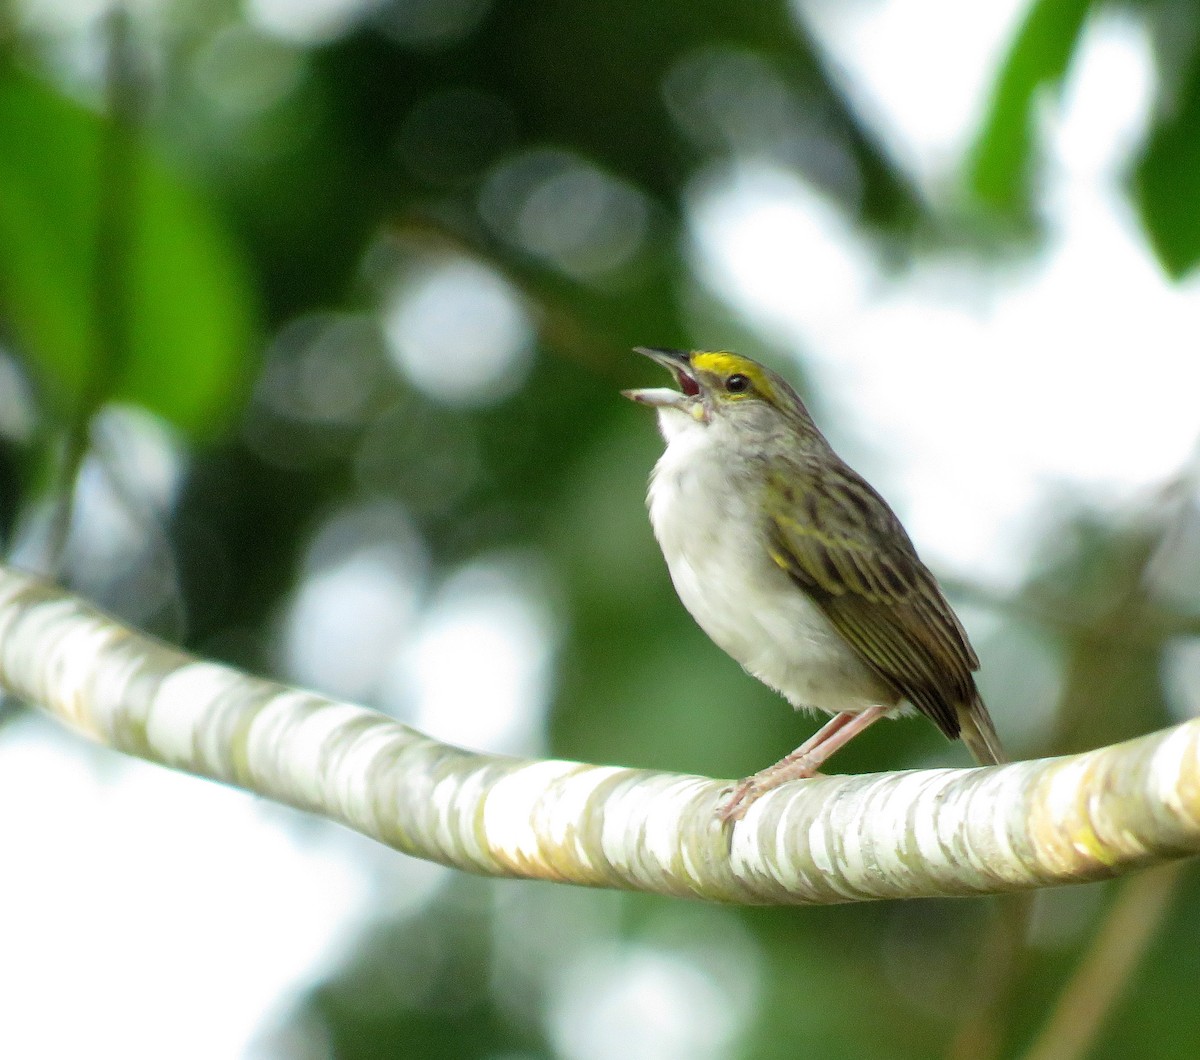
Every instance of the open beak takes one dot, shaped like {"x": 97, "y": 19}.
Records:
{"x": 679, "y": 364}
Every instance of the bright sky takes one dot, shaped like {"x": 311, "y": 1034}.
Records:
{"x": 138, "y": 901}
{"x": 968, "y": 396}
{"x": 971, "y": 396}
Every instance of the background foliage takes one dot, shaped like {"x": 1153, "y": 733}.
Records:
{"x": 319, "y": 318}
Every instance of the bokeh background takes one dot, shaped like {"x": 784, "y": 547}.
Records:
{"x": 313, "y": 315}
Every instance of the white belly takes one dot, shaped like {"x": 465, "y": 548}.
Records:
{"x": 739, "y": 596}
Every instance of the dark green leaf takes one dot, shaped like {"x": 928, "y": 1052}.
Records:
{"x": 998, "y": 170}
{"x": 1167, "y": 181}
{"x": 189, "y": 313}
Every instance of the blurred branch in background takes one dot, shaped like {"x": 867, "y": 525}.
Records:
{"x": 112, "y": 283}
{"x": 1110, "y": 962}
{"x": 830, "y": 840}
{"x": 1130, "y": 624}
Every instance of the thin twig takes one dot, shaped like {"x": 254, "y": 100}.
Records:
{"x": 1104, "y": 973}
{"x": 115, "y": 221}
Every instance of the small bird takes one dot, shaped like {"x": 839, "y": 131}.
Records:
{"x": 797, "y": 568}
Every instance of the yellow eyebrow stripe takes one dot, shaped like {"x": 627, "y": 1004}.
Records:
{"x": 725, "y": 364}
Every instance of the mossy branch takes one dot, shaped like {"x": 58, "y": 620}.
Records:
{"x": 826, "y": 840}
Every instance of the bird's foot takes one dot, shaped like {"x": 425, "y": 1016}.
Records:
{"x": 743, "y": 796}
{"x": 802, "y": 762}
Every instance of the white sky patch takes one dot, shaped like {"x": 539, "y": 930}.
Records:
{"x": 308, "y": 21}
{"x": 126, "y": 488}
{"x": 640, "y": 1002}
{"x": 979, "y": 394}
{"x": 778, "y": 250}
{"x": 1182, "y": 673}
{"x": 561, "y": 208}
{"x": 142, "y": 901}
{"x": 61, "y": 16}
{"x": 17, "y": 418}
{"x": 117, "y": 550}
{"x": 459, "y": 332}
{"x": 478, "y": 671}
{"x": 920, "y": 71}
{"x": 356, "y": 603}
{"x": 244, "y": 72}
{"x": 1107, "y": 99}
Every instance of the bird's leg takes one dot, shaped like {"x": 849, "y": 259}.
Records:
{"x": 802, "y": 762}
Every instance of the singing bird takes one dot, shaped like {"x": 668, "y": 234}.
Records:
{"x": 797, "y": 568}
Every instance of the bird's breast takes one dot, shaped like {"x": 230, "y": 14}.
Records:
{"x": 708, "y": 518}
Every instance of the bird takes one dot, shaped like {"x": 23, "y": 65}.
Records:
{"x": 797, "y": 568}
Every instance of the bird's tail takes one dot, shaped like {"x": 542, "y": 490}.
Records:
{"x": 979, "y": 734}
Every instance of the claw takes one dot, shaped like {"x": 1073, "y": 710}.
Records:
{"x": 802, "y": 763}
{"x": 745, "y": 794}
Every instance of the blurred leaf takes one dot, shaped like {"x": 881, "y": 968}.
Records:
{"x": 999, "y": 165}
{"x": 190, "y": 322}
{"x": 1167, "y": 181}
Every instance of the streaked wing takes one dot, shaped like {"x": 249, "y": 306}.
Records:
{"x": 843, "y": 545}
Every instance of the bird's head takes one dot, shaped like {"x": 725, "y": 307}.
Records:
{"x": 719, "y": 387}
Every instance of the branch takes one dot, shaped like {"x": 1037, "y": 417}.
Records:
{"x": 821, "y": 841}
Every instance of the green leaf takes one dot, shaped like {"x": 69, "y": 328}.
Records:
{"x": 189, "y": 319}
{"x": 999, "y": 166}
{"x": 1167, "y": 181}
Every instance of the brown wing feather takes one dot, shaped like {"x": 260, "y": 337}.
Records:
{"x": 842, "y": 544}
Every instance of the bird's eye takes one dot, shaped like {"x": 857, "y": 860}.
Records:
{"x": 737, "y": 384}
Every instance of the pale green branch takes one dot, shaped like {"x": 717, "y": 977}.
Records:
{"x": 825, "y": 840}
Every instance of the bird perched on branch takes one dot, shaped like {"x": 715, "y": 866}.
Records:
{"x": 797, "y": 568}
